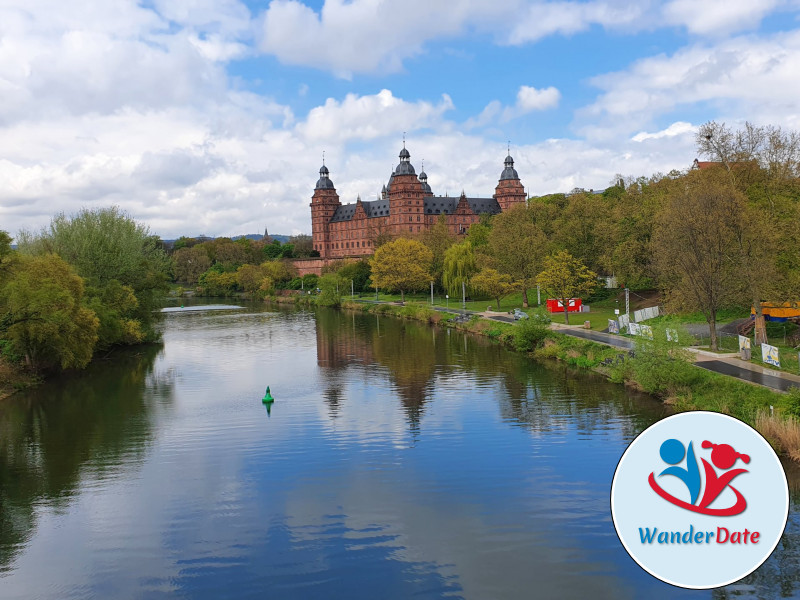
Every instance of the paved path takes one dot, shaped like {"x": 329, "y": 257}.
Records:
{"x": 725, "y": 364}
{"x": 608, "y": 339}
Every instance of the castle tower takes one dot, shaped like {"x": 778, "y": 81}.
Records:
{"x": 405, "y": 197}
{"x": 509, "y": 190}
{"x": 324, "y": 203}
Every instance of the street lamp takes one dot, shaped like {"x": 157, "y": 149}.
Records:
{"x": 447, "y": 299}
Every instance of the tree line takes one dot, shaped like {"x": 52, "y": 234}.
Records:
{"x": 722, "y": 234}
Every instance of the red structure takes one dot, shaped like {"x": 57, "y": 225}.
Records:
{"x": 555, "y": 306}
{"x": 407, "y": 205}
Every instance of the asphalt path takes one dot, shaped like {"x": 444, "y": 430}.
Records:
{"x": 775, "y": 382}
{"x": 607, "y": 339}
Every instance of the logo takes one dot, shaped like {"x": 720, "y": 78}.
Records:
{"x": 699, "y": 500}
{"x": 723, "y": 457}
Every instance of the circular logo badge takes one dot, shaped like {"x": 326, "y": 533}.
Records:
{"x": 699, "y": 500}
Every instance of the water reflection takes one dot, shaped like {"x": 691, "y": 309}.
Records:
{"x": 96, "y": 425}
{"x": 399, "y": 461}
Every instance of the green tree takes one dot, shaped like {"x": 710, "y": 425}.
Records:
{"x": 106, "y": 245}
{"x": 214, "y": 283}
{"x": 251, "y": 277}
{"x": 695, "y": 246}
{"x": 565, "y": 277}
{"x": 403, "y": 265}
{"x": 43, "y": 317}
{"x": 190, "y": 263}
{"x": 493, "y": 283}
{"x": 357, "y": 271}
{"x": 517, "y": 245}
{"x": 438, "y": 239}
{"x": 331, "y": 290}
{"x": 459, "y": 266}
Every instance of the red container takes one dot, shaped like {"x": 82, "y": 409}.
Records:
{"x": 555, "y": 306}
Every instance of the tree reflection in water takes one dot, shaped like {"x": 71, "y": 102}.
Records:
{"x": 85, "y": 424}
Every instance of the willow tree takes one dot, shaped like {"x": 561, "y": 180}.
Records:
{"x": 459, "y": 266}
{"x": 43, "y": 316}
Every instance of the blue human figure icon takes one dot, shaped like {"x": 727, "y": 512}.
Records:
{"x": 672, "y": 453}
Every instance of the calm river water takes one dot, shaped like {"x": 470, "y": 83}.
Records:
{"x": 398, "y": 461}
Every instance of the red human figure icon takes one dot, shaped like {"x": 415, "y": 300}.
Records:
{"x": 724, "y": 457}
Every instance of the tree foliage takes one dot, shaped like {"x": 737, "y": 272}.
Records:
{"x": 108, "y": 248}
{"x": 695, "y": 247}
{"x": 42, "y": 314}
{"x": 516, "y": 247}
{"x": 402, "y": 265}
{"x": 458, "y": 266}
{"x": 565, "y": 277}
{"x": 492, "y": 283}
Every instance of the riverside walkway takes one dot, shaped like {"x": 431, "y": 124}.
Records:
{"x": 724, "y": 364}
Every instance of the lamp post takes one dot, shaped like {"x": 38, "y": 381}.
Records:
{"x": 463, "y": 296}
{"x": 447, "y": 298}
{"x": 431, "y": 293}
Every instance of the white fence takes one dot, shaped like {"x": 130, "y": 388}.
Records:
{"x": 646, "y": 313}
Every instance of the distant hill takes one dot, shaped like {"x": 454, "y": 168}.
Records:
{"x": 251, "y": 236}
{"x": 257, "y": 236}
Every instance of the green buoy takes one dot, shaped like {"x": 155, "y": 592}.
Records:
{"x": 267, "y": 397}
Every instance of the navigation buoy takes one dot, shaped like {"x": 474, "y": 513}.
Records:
{"x": 268, "y": 397}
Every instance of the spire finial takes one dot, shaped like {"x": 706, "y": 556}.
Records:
{"x": 509, "y": 146}
{"x": 423, "y": 164}
{"x": 323, "y": 158}
{"x": 404, "y": 139}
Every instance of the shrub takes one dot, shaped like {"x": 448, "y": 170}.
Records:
{"x": 530, "y": 334}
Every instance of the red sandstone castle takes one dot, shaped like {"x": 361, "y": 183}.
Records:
{"x": 407, "y": 206}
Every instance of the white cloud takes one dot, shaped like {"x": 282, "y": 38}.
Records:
{"x": 541, "y": 19}
{"x": 719, "y": 16}
{"x": 677, "y": 128}
{"x": 372, "y": 36}
{"x": 361, "y": 35}
{"x": 529, "y": 98}
{"x": 745, "y": 77}
{"x": 370, "y": 117}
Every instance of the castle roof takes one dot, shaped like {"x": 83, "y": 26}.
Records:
{"x": 436, "y": 205}
{"x": 509, "y": 172}
{"x": 432, "y": 205}
{"x": 324, "y": 182}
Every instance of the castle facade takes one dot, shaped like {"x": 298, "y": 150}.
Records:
{"x": 407, "y": 206}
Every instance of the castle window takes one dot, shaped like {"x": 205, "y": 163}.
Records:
{"x": 417, "y": 217}
{"x": 411, "y": 229}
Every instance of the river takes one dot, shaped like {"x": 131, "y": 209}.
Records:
{"x": 398, "y": 460}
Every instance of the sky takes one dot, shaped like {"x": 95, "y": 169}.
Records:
{"x": 211, "y": 116}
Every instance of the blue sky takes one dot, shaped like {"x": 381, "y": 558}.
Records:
{"x": 211, "y": 116}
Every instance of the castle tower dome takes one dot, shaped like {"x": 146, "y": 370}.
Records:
{"x": 423, "y": 177}
{"x": 509, "y": 191}
{"x": 324, "y": 182}
{"x": 509, "y": 172}
{"x": 405, "y": 167}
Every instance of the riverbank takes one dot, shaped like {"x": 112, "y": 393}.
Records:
{"x": 13, "y": 378}
{"x": 660, "y": 370}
